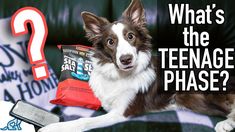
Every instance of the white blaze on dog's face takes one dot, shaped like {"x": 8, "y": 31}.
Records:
{"x": 126, "y": 53}
{"x": 121, "y": 43}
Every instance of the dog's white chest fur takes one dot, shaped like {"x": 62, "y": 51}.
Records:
{"x": 116, "y": 91}
{"x": 111, "y": 92}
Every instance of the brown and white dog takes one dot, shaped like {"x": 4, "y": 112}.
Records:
{"x": 125, "y": 76}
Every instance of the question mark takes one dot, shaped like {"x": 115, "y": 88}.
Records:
{"x": 37, "y": 40}
{"x": 225, "y": 79}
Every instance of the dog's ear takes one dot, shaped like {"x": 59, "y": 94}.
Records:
{"x": 93, "y": 24}
{"x": 135, "y": 13}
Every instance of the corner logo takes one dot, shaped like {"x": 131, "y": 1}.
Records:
{"x": 12, "y": 125}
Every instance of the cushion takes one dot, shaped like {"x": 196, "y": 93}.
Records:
{"x": 16, "y": 80}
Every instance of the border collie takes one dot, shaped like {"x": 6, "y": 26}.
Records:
{"x": 125, "y": 76}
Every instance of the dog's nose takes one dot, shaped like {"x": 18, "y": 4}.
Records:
{"x": 126, "y": 59}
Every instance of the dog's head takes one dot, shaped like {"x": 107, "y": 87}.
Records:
{"x": 125, "y": 43}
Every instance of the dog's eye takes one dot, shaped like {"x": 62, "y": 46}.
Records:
{"x": 110, "y": 42}
{"x": 130, "y": 36}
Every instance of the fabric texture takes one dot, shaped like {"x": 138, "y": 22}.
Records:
{"x": 165, "y": 121}
{"x": 16, "y": 79}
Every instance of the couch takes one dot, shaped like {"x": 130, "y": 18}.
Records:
{"x": 65, "y": 27}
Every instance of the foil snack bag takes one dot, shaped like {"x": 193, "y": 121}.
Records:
{"x": 73, "y": 88}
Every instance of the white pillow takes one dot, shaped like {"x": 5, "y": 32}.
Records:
{"x": 16, "y": 80}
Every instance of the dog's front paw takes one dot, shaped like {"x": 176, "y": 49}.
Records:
{"x": 225, "y": 126}
{"x": 70, "y": 126}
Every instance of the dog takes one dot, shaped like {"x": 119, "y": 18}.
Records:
{"x": 125, "y": 76}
